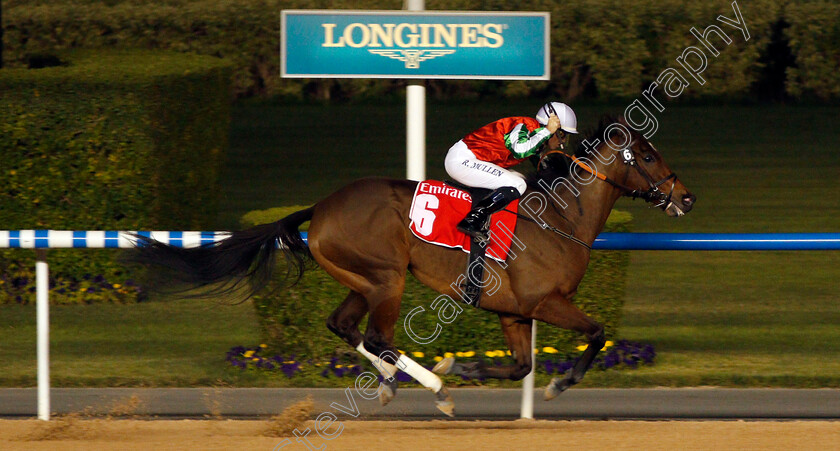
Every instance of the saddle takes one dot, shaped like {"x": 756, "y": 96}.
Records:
{"x": 436, "y": 209}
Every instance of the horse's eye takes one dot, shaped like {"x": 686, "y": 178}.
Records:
{"x": 648, "y": 158}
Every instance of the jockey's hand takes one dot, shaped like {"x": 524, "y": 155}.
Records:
{"x": 553, "y": 123}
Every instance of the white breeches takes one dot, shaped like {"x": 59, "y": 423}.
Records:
{"x": 462, "y": 165}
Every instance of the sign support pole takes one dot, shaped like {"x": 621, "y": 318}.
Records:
{"x": 42, "y": 278}
{"x": 527, "y": 408}
{"x": 415, "y": 118}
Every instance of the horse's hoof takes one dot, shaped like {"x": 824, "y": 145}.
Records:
{"x": 555, "y": 387}
{"x": 444, "y": 366}
{"x": 444, "y": 402}
{"x": 387, "y": 391}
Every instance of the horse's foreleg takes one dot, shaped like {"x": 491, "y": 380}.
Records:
{"x": 517, "y": 332}
{"x": 344, "y": 322}
{"x": 559, "y": 311}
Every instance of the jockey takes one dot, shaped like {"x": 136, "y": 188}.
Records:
{"x": 482, "y": 157}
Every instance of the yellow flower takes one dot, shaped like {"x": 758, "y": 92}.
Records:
{"x": 418, "y": 354}
{"x": 459, "y": 354}
{"x": 339, "y": 366}
{"x": 536, "y": 351}
{"x": 401, "y": 351}
{"x": 549, "y": 350}
{"x": 117, "y": 286}
{"x": 448, "y": 355}
{"x": 469, "y": 353}
{"x": 607, "y": 345}
{"x": 255, "y": 359}
{"x": 248, "y": 353}
{"x": 507, "y": 352}
{"x": 490, "y": 353}
{"x": 263, "y": 345}
{"x": 582, "y": 347}
{"x": 438, "y": 358}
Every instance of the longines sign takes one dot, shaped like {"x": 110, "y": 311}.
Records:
{"x": 402, "y": 44}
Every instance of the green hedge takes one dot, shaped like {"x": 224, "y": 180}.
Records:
{"x": 116, "y": 140}
{"x": 814, "y": 35}
{"x": 601, "y": 48}
{"x": 293, "y": 319}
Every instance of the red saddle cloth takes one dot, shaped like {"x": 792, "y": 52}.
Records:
{"x": 437, "y": 208}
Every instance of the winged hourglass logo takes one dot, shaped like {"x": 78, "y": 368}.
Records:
{"x": 412, "y": 58}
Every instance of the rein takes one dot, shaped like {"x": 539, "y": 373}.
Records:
{"x": 653, "y": 193}
{"x": 546, "y": 226}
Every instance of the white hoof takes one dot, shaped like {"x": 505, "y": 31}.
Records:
{"x": 387, "y": 391}
{"x": 555, "y": 387}
{"x": 444, "y": 366}
{"x": 444, "y": 402}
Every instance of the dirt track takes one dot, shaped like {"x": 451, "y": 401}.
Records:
{"x": 81, "y": 434}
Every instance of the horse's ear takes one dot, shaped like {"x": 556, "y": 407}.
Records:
{"x": 634, "y": 135}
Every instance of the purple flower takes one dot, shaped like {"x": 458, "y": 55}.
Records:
{"x": 549, "y": 367}
{"x": 403, "y": 377}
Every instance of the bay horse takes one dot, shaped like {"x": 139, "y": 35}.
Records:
{"x": 360, "y": 236}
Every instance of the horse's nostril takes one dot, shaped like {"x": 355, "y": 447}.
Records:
{"x": 689, "y": 199}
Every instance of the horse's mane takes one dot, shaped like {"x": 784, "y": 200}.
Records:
{"x": 556, "y": 165}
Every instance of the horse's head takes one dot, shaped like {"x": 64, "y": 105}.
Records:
{"x": 647, "y": 174}
{"x": 628, "y": 161}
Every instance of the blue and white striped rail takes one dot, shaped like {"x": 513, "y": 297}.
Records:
{"x": 112, "y": 239}
{"x": 100, "y": 239}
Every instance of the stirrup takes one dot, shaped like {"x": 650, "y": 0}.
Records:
{"x": 469, "y": 227}
{"x": 481, "y": 235}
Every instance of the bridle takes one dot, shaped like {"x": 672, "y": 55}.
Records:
{"x": 652, "y": 195}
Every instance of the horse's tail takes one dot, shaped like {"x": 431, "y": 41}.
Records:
{"x": 247, "y": 257}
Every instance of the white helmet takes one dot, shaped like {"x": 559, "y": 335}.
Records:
{"x": 568, "y": 120}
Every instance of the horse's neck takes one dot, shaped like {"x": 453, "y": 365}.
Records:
{"x": 587, "y": 211}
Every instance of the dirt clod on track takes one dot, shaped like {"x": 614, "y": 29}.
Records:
{"x": 164, "y": 435}
{"x": 292, "y": 417}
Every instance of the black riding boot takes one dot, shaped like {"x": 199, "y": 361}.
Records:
{"x": 475, "y": 223}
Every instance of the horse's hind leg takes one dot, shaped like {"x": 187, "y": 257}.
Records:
{"x": 379, "y": 339}
{"x": 517, "y": 332}
{"x": 382, "y": 300}
{"x": 559, "y": 311}
{"x": 344, "y": 322}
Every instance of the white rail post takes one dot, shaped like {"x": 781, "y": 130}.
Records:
{"x": 527, "y": 410}
{"x": 415, "y": 118}
{"x": 42, "y": 282}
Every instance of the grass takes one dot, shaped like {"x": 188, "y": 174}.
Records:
{"x": 178, "y": 343}
{"x": 715, "y": 318}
